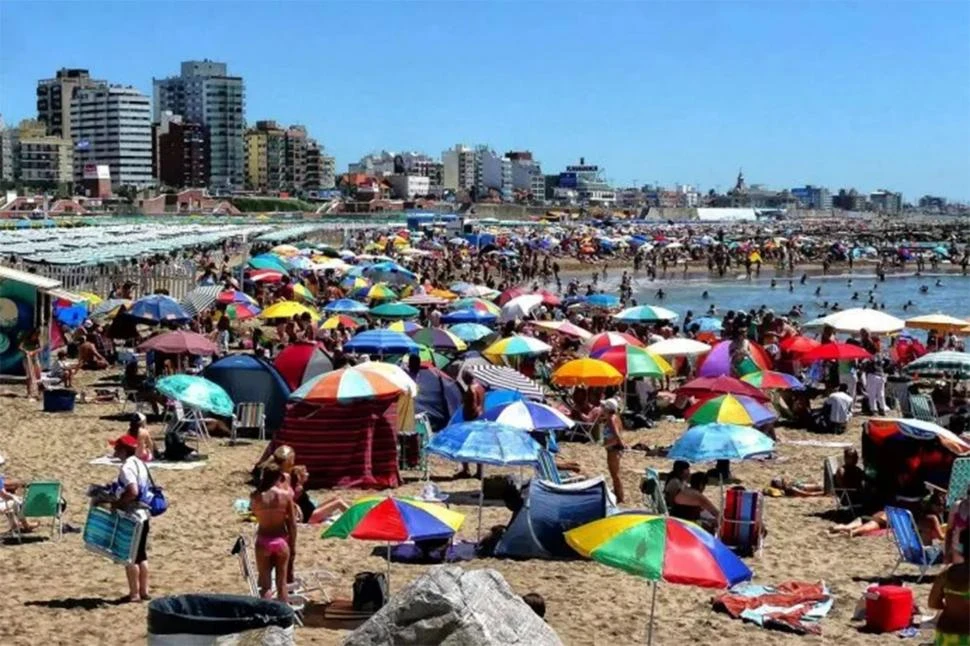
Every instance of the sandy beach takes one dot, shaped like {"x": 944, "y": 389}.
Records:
{"x": 58, "y": 592}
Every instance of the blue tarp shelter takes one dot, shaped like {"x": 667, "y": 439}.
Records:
{"x": 249, "y": 379}
{"x": 548, "y": 512}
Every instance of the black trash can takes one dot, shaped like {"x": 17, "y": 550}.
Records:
{"x": 211, "y": 618}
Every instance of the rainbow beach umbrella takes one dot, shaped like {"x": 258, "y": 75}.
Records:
{"x": 404, "y": 326}
{"x": 515, "y": 346}
{"x": 377, "y": 518}
{"x": 471, "y": 332}
{"x": 381, "y": 292}
{"x": 477, "y": 304}
{"x": 346, "y": 386}
{"x": 635, "y": 362}
{"x": 773, "y": 380}
{"x": 438, "y": 339}
{"x": 730, "y": 409}
{"x": 659, "y": 548}
{"x": 605, "y": 340}
{"x": 302, "y": 292}
{"x": 241, "y": 311}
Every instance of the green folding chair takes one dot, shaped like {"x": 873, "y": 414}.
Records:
{"x": 43, "y": 500}
{"x": 923, "y": 409}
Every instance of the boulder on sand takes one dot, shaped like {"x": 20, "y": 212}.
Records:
{"x": 451, "y": 607}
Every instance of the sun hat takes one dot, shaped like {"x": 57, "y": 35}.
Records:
{"x": 126, "y": 440}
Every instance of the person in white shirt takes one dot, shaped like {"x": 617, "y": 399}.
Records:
{"x": 133, "y": 476}
{"x": 839, "y": 405}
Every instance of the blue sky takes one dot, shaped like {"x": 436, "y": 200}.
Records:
{"x": 869, "y": 95}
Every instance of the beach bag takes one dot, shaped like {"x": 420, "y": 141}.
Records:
{"x": 370, "y": 591}
{"x": 154, "y": 497}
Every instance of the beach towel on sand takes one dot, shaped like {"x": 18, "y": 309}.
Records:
{"x": 792, "y": 606}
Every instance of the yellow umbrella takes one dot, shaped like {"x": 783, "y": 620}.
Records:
{"x": 443, "y": 293}
{"x": 288, "y": 309}
{"x": 587, "y": 372}
{"x": 937, "y": 322}
{"x": 90, "y": 297}
{"x": 285, "y": 250}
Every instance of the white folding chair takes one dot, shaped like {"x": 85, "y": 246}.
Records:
{"x": 249, "y": 415}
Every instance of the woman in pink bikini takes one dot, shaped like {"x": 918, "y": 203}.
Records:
{"x": 272, "y": 505}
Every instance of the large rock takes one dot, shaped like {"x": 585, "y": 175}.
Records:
{"x": 451, "y": 607}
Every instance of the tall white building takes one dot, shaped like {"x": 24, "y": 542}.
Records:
{"x": 205, "y": 93}
{"x": 113, "y": 126}
{"x": 527, "y": 175}
{"x": 459, "y": 169}
{"x": 494, "y": 174}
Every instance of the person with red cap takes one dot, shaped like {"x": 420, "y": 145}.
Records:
{"x": 134, "y": 479}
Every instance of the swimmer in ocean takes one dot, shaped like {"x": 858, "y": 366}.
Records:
{"x": 939, "y": 283}
{"x": 803, "y": 279}
{"x": 660, "y": 294}
{"x": 855, "y": 296}
{"x": 835, "y": 307}
{"x": 791, "y": 285}
{"x": 818, "y": 290}
{"x": 774, "y": 283}
{"x": 923, "y": 289}
{"x": 705, "y": 295}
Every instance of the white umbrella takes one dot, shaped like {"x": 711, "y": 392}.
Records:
{"x": 520, "y": 307}
{"x": 859, "y": 318}
{"x": 678, "y": 347}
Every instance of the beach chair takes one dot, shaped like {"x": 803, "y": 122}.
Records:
{"x": 959, "y": 481}
{"x": 249, "y": 416}
{"x": 742, "y": 521}
{"x": 189, "y": 421}
{"x": 546, "y": 469}
{"x": 303, "y": 583}
{"x": 410, "y": 443}
{"x": 43, "y": 500}
{"x": 845, "y": 499}
{"x": 653, "y": 492}
{"x": 922, "y": 408}
{"x": 905, "y": 534}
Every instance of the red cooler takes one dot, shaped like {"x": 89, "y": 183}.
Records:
{"x": 888, "y": 608}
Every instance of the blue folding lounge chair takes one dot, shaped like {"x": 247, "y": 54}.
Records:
{"x": 653, "y": 492}
{"x": 546, "y": 469}
{"x": 905, "y": 534}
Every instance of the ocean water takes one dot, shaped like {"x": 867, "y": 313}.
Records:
{"x": 952, "y": 296}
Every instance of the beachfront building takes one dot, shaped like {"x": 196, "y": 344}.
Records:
{"x": 180, "y": 152}
{"x": 813, "y": 197}
{"x": 459, "y": 169}
{"x": 43, "y": 161}
{"x": 527, "y": 177}
{"x": 493, "y": 176}
{"x": 112, "y": 125}
{"x": 583, "y": 183}
{"x": 885, "y": 201}
{"x": 206, "y": 94}
{"x": 755, "y": 196}
{"x": 285, "y": 160}
{"x": 320, "y": 168}
{"x": 54, "y": 98}
{"x": 408, "y": 187}
{"x": 933, "y": 203}
{"x": 9, "y": 157}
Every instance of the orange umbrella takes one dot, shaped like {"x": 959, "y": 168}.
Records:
{"x": 587, "y": 372}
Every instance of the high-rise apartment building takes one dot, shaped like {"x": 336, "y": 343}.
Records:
{"x": 494, "y": 174}
{"x": 9, "y": 156}
{"x": 459, "y": 169}
{"x": 54, "y": 99}
{"x": 113, "y": 125}
{"x": 43, "y": 160}
{"x": 294, "y": 159}
{"x": 204, "y": 93}
{"x": 180, "y": 152}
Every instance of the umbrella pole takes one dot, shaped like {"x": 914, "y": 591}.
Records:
{"x": 481, "y": 503}
{"x": 388, "y": 568}
{"x": 653, "y": 606}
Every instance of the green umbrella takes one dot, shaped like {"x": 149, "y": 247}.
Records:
{"x": 395, "y": 311}
{"x": 197, "y": 392}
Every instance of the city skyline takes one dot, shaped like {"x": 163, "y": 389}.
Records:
{"x": 836, "y": 102}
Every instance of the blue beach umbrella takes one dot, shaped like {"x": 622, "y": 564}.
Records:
{"x": 381, "y": 342}
{"x": 345, "y": 306}
{"x": 390, "y": 272}
{"x": 468, "y": 316}
{"x": 485, "y": 442}
{"x": 528, "y": 415}
{"x": 715, "y": 441}
{"x": 707, "y": 324}
{"x": 158, "y": 308}
{"x": 471, "y": 332}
